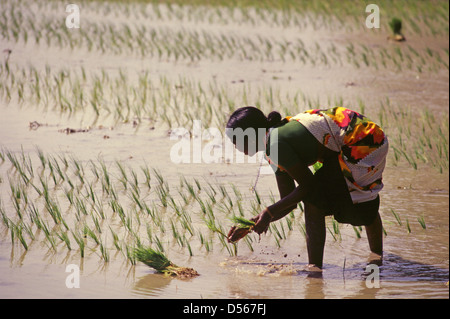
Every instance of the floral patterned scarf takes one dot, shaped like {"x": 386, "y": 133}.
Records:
{"x": 361, "y": 144}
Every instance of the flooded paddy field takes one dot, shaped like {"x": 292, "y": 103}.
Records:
{"x": 91, "y": 120}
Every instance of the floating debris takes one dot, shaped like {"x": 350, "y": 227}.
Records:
{"x": 35, "y": 125}
{"x": 69, "y": 130}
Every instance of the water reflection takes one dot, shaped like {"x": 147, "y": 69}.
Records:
{"x": 151, "y": 285}
{"x": 396, "y": 267}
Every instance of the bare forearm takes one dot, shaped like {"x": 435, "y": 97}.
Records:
{"x": 290, "y": 195}
{"x": 285, "y": 205}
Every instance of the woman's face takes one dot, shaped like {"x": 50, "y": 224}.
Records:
{"x": 246, "y": 140}
{"x": 248, "y": 146}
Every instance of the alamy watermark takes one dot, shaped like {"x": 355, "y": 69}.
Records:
{"x": 373, "y": 276}
{"x": 73, "y": 19}
{"x": 212, "y": 145}
{"x": 373, "y": 19}
{"x": 73, "y": 279}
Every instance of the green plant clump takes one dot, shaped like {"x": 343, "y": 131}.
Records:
{"x": 396, "y": 25}
{"x": 158, "y": 261}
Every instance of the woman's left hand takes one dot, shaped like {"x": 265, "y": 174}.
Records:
{"x": 262, "y": 221}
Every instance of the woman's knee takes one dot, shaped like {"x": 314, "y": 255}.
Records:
{"x": 313, "y": 211}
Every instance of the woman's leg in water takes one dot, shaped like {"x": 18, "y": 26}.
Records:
{"x": 315, "y": 234}
{"x": 374, "y": 233}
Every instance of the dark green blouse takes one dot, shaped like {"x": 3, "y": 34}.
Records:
{"x": 289, "y": 144}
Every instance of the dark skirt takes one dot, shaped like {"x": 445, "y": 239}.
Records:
{"x": 331, "y": 195}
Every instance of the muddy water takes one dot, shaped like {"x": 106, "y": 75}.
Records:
{"x": 415, "y": 265}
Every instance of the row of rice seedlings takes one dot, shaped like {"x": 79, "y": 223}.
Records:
{"x": 300, "y": 14}
{"x": 400, "y": 58}
{"x": 167, "y": 43}
{"x": 209, "y": 208}
{"x": 211, "y": 223}
{"x": 295, "y": 16}
{"x": 420, "y": 220}
{"x": 54, "y": 210}
{"x": 224, "y": 14}
{"x": 194, "y": 94}
{"x": 86, "y": 202}
{"x": 190, "y": 92}
{"x": 417, "y": 138}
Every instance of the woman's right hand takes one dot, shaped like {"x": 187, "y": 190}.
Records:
{"x": 262, "y": 221}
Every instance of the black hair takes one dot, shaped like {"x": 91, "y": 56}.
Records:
{"x": 250, "y": 116}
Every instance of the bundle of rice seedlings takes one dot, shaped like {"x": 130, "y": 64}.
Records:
{"x": 241, "y": 229}
{"x": 396, "y": 26}
{"x": 243, "y": 222}
{"x": 158, "y": 261}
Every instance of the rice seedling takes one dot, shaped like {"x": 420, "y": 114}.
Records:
{"x": 258, "y": 199}
{"x": 290, "y": 221}
{"x": 17, "y": 230}
{"x": 63, "y": 236}
{"x": 408, "y": 227}
{"x": 332, "y": 233}
{"x": 106, "y": 180}
{"x": 188, "y": 246}
{"x": 185, "y": 198}
{"x": 80, "y": 241}
{"x": 397, "y": 217}
{"x": 136, "y": 199}
{"x": 211, "y": 224}
{"x": 158, "y": 261}
{"x": 88, "y": 232}
{"x": 54, "y": 210}
{"x": 94, "y": 170}
{"x": 146, "y": 172}
{"x": 79, "y": 170}
{"x": 16, "y": 199}
{"x": 421, "y": 220}
{"x": 48, "y": 235}
{"x": 357, "y": 230}
{"x": 162, "y": 194}
{"x": 211, "y": 194}
{"x": 96, "y": 223}
{"x": 124, "y": 178}
{"x": 29, "y": 231}
{"x": 131, "y": 256}
{"x": 5, "y": 218}
{"x": 208, "y": 245}
{"x": 104, "y": 252}
{"x": 115, "y": 239}
{"x": 336, "y": 228}
{"x": 159, "y": 244}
